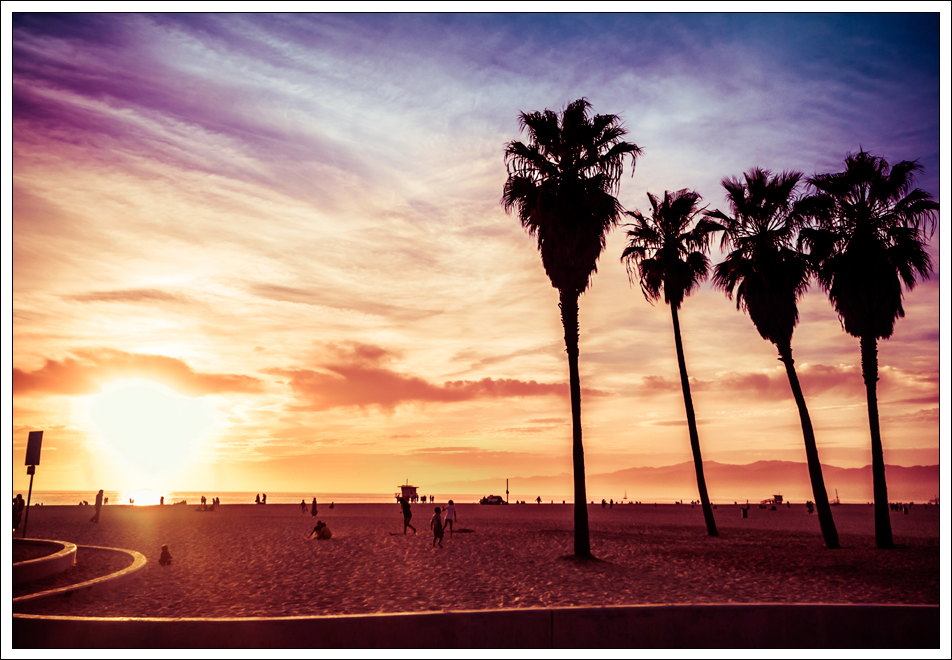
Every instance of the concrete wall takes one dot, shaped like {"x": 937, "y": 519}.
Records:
{"x": 640, "y": 626}
{"x": 62, "y": 557}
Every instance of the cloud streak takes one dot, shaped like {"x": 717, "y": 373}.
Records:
{"x": 89, "y": 369}
{"x": 357, "y": 375}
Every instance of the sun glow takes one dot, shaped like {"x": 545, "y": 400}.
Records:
{"x": 141, "y": 497}
{"x": 148, "y": 426}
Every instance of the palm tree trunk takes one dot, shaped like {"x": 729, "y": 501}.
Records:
{"x": 823, "y": 510}
{"x": 568, "y": 303}
{"x": 692, "y": 427}
{"x": 884, "y": 539}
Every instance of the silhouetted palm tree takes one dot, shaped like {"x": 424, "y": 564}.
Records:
{"x": 870, "y": 241}
{"x": 670, "y": 259}
{"x": 768, "y": 276}
{"x": 563, "y": 183}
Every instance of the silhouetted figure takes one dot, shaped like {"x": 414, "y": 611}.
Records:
{"x": 303, "y": 507}
{"x": 18, "y": 506}
{"x": 407, "y": 514}
{"x": 166, "y": 557}
{"x": 611, "y": 504}
{"x": 162, "y": 500}
{"x": 314, "y": 508}
{"x": 257, "y": 498}
{"x": 604, "y": 503}
{"x": 539, "y": 499}
{"x": 331, "y": 506}
{"x": 437, "y": 525}
{"x": 95, "y": 517}
{"x": 449, "y": 516}
{"x": 809, "y": 506}
{"x": 264, "y": 498}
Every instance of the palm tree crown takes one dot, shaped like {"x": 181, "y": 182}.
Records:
{"x": 563, "y": 184}
{"x": 670, "y": 258}
{"x": 764, "y": 270}
{"x": 870, "y": 240}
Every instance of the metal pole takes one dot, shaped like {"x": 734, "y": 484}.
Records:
{"x": 29, "y": 495}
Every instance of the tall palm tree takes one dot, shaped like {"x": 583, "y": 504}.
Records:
{"x": 768, "y": 276}
{"x": 563, "y": 183}
{"x": 671, "y": 260}
{"x": 870, "y": 241}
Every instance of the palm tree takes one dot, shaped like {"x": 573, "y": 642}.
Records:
{"x": 869, "y": 242}
{"x": 563, "y": 183}
{"x": 671, "y": 260}
{"x": 768, "y": 276}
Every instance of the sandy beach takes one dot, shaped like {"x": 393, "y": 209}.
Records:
{"x": 247, "y": 560}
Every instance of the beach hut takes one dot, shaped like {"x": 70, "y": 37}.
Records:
{"x": 407, "y": 492}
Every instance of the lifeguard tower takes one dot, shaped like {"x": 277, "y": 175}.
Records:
{"x": 407, "y": 492}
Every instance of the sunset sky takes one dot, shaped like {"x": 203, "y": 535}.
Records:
{"x": 267, "y": 252}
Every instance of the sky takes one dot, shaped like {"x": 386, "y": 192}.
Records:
{"x": 267, "y": 252}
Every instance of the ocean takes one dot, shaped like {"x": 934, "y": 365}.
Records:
{"x": 67, "y": 497}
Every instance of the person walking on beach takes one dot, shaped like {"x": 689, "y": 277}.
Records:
{"x": 449, "y": 516}
{"x": 313, "y": 508}
{"x": 436, "y": 523}
{"x": 303, "y": 507}
{"x": 95, "y": 518}
{"x": 406, "y": 515}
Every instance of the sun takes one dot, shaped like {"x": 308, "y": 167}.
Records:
{"x": 148, "y": 425}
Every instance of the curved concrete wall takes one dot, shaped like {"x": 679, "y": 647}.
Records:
{"x": 640, "y": 626}
{"x": 111, "y": 580}
{"x": 36, "y": 569}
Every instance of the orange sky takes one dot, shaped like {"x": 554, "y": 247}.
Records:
{"x": 285, "y": 236}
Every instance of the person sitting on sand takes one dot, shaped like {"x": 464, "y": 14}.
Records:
{"x": 166, "y": 557}
{"x": 436, "y": 523}
{"x": 406, "y": 515}
{"x": 320, "y": 531}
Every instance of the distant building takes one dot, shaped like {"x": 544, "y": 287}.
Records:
{"x": 407, "y": 492}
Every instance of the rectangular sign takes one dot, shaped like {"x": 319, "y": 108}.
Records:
{"x": 33, "y": 448}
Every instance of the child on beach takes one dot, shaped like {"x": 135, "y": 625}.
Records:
{"x": 436, "y": 523}
{"x": 165, "y": 558}
{"x": 449, "y": 516}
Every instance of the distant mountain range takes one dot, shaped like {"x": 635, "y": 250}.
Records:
{"x": 725, "y": 482}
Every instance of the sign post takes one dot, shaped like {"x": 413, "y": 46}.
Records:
{"x": 33, "y": 445}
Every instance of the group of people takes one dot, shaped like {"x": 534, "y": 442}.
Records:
{"x": 261, "y": 499}
{"x": 206, "y": 505}
{"x": 313, "y": 507}
{"x": 443, "y": 517}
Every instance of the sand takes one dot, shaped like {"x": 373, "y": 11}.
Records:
{"x": 247, "y": 560}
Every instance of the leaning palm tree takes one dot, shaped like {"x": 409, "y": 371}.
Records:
{"x": 671, "y": 260}
{"x": 563, "y": 183}
{"x": 870, "y": 241}
{"x": 768, "y": 277}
